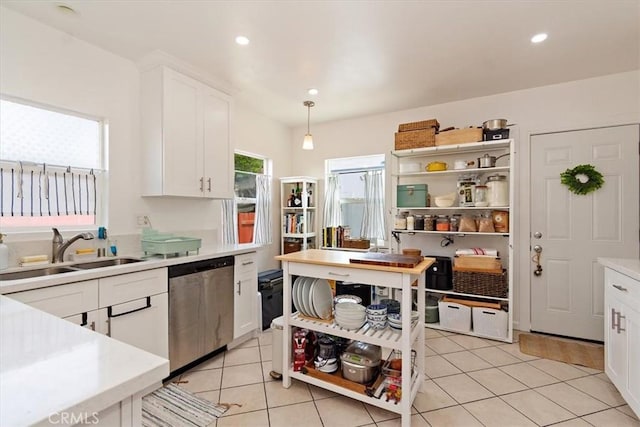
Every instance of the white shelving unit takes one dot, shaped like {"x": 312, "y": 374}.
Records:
{"x": 299, "y": 224}
{"x": 443, "y": 182}
{"x": 335, "y": 265}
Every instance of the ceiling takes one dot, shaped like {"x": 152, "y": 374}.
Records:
{"x": 365, "y": 57}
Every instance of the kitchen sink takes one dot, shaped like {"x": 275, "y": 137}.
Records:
{"x": 28, "y": 274}
{"x": 106, "y": 263}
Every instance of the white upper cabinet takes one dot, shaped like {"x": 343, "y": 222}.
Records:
{"x": 185, "y": 131}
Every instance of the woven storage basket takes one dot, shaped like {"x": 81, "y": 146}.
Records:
{"x": 415, "y": 139}
{"x": 478, "y": 282}
{"x": 424, "y": 124}
{"x": 356, "y": 243}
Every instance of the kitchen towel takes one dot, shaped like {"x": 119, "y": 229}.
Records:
{"x": 477, "y": 251}
{"x": 171, "y": 406}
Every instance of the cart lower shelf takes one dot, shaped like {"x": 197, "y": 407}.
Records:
{"x": 351, "y": 392}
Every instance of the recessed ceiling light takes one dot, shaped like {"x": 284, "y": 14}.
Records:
{"x": 539, "y": 38}
{"x": 242, "y": 40}
{"x": 312, "y": 91}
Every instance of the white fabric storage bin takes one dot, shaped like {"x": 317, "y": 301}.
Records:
{"x": 455, "y": 316}
{"x": 490, "y": 323}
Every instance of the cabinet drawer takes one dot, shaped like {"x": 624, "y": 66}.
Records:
{"x": 346, "y": 274}
{"x": 127, "y": 287}
{"x": 622, "y": 287}
{"x": 63, "y": 300}
{"x": 246, "y": 264}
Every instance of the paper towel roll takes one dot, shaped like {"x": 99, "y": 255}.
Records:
{"x": 477, "y": 251}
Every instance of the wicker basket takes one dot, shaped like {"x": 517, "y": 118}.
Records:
{"x": 424, "y": 124}
{"x": 479, "y": 282}
{"x": 415, "y": 139}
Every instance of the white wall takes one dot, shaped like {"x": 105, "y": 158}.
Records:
{"x": 44, "y": 65}
{"x": 602, "y": 101}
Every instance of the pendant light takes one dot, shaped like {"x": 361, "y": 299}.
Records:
{"x": 307, "y": 144}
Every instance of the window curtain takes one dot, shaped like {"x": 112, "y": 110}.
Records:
{"x": 37, "y": 190}
{"x": 229, "y": 222}
{"x": 373, "y": 221}
{"x": 262, "y": 224}
{"x": 332, "y": 216}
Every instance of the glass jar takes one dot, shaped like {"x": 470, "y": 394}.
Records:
{"x": 454, "y": 222}
{"x": 480, "y": 196}
{"x": 411, "y": 222}
{"x": 400, "y": 222}
{"x": 429, "y": 223}
{"x": 498, "y": 190}
{"x": 419, "y": 222}
{"x": 442, "y": 223}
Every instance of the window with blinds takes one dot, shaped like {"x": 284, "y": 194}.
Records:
{"x": 52, "y": 167}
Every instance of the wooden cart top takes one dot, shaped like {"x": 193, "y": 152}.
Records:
{"x": 341, "y": 259}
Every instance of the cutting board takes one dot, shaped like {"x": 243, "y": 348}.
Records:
{"x": 389, "y": 260}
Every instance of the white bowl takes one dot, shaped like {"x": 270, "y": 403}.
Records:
{"x": 443, "y": 201}
{"x": 349, "y": 306}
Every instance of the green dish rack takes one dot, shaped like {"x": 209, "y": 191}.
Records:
{"x": 154, "y": 243}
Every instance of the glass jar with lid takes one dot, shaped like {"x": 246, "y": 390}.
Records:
{"x": 498, "y": 190}
{"x": 419, "y": 222}
{"x": 411, "y": 221}
{"x": 442, "y": 223}
{"x": 429, "y": 223}
{"x": 480, "y": 198}
{"x": 454, "y": 222}
{"x": 400, "y": 222}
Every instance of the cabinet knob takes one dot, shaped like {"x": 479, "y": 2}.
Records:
{"x": 201, "y": 184}
{"x": 209, "y": 185}
{"x": 239, "y": 287}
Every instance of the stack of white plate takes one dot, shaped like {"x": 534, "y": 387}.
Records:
{"x": 312, "y": 297}
{"x": 395, "y": 319}
{"x": 350, "y": 315}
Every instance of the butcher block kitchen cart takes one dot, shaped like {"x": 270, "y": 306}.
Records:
{"x": 336, "y": 265}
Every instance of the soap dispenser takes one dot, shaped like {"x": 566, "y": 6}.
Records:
{"x": 4, "y": 254}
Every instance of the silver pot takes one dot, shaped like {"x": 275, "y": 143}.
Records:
{"x": 495, "y": 124}
{"x": 488, "y": 161}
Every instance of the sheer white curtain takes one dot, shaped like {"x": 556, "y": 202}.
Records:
{"x": 262, "y": 225}
{"x": 332, "y": 217}
{"x": 373, "y": 220}
{"x": 229, "y": 221}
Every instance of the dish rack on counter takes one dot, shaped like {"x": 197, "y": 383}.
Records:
{"x": 156, "y": 243}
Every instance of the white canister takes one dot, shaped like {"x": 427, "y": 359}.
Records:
{"x": 498, "y": 190}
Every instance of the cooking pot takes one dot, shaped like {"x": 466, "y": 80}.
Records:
{"x": 488, "y": 161}
{"x": 495, "y": 124}
{"x": 436, "y": 166}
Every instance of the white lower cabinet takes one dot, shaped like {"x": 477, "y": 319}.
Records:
{"x": 245, "y": 275}
{"x": 141, "y": 323}
{"x": 131, "y": 308}
{"x": 622, "y": 335}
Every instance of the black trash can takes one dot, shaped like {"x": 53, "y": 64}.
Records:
{"x": 439, "y": 276}
{"x": 270, "y": 287}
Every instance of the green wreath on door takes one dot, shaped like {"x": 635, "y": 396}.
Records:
{"x": 583, "y": 179}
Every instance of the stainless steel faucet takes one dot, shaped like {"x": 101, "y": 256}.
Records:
{"x": 58, "y": 245}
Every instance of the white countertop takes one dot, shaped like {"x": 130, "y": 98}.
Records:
{"x": 49, "y": 365}
{"x": 9, "y": 286}
{"x": 627, "y": 266}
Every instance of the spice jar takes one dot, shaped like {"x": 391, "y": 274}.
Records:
{"x": 442, "y": 223}
{"x": 429, "y": 223}
{"x": 480, "y": 196}
{"x": 410, "y": 222}
{"x": 454, "y": 222}
{"x": 400, "y": 222}
{"x": 419, "y": 222}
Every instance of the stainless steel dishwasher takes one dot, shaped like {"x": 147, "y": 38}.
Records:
{"x": 200, "y": 309}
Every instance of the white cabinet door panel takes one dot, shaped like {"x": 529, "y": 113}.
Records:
{"x": 63, "y": 300}
{"x": 142, "y": 323}
{"x": 128, "y": 287}
{"x": 218, "y": 157}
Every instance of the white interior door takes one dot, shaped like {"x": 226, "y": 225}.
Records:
{"x": 567, "y": 298}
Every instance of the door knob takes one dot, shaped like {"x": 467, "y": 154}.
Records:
{"x": 537, "y": 235}
{"x": 537, "y": 249}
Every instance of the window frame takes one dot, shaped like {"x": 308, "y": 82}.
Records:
{"x": 102, "y": 173}
{"x": 266, "y": 170}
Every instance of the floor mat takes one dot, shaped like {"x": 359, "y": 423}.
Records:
{"x": 563, "y": 350}
{"x": 171, "y": 406}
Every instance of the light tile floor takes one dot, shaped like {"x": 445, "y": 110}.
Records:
{"x": 470, "y": 382}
